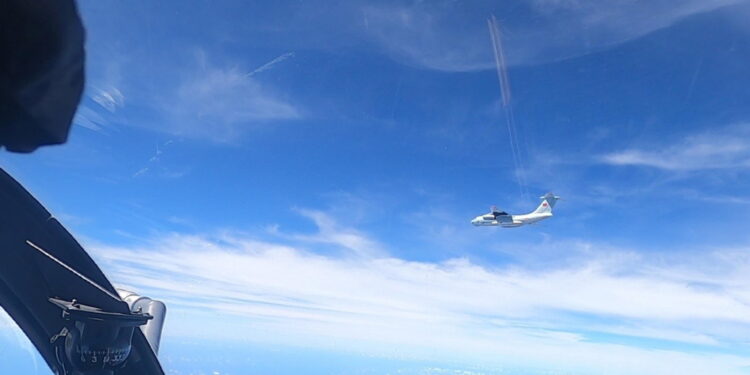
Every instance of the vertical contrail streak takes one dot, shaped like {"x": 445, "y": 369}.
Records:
{"x": 502, "y": 76}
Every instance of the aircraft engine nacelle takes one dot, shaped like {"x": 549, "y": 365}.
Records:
{"x": 157, "y": 309}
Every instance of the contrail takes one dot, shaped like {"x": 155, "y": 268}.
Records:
{"x": 270, "y": 64}
{"x": 510, "y": 122}
{"x": 502, "y": 72}
{"x": 154, "y": 159}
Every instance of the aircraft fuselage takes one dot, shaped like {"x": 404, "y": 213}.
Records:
{"x": 510, "y": 221}
{"x": 498, "y": 218}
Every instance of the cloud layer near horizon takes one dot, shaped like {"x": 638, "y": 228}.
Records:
{"x": 574, "y": 317}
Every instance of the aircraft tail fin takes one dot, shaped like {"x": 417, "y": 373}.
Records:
{"x": 548, "y": 201}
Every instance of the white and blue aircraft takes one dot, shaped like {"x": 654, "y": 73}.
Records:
{"x": 503, "y": 219}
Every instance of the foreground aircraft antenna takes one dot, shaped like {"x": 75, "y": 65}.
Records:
{"x": 148, "y": 312}
{"x": 71, "y": 269}
{"x": 93, "y": 340}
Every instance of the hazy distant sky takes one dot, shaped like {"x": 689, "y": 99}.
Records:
{"x": 296, "y": 180}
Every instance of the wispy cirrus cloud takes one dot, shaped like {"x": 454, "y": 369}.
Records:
{"x": 222, "y": 103}
{"x": 601, "y": 314}
{"x": 90, "y": 119}
{"x": 104, "y": 99}
{"x": 98, "y": 113}
{"x": 110, "y": 98}
{"x": 430, "y": 35}
{"x": 197, "y": 98}
{"x": 13, "y": 335}
{"x": 329, "y": 231}
{"x": 725, "y": 149}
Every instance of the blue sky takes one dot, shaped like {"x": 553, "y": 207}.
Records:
{"x": 296, "y": 181}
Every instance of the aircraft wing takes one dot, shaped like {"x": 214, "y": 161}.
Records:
{"x": 504, "y": 218}
{"x": 497, "y": 212}
{"x": 28, "y": 278}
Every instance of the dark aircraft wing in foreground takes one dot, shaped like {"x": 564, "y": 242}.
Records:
{"x": 43, "y": 275}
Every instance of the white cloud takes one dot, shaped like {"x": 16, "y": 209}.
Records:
{"x": 110, "y": 98}
{"x": 727, "y": 148}
{"x": 717, "y": 198}
{"x": 187, "y": 96}
{"x": 330, "y": 232}
{"x": 107, "y": 93}
{"x": 417, "y": 37}
{"x": 447, "y": 36}
{"x": 455, "y": 309}
{"x": 5, "y": 320}
{"x": 11, "y": 334}
{"x": 221, "y": 104}
{"x": 89, "y": 119}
